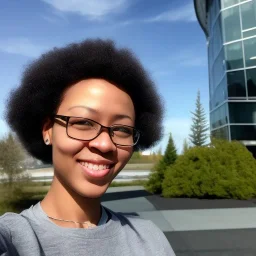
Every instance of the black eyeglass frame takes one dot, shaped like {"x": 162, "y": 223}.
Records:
{"x": 109, "y": 128}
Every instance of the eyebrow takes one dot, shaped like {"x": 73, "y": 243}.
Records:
{"x": 118, "y": 116}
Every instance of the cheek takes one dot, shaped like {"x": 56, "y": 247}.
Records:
{"x": 124, "y": 155}
{"x": 63, "y": 145}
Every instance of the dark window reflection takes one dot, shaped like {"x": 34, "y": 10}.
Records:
{"x": 242, "y": 112}
{"x": 221, "y": 133}
{"x": 234, "y": 56}
{"x": 236, "y": 84}
{"x": 243, "y": 132}
{"x": 219, "y": 117}
{"x": 251, "y": 82}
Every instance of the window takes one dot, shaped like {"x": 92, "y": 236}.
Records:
{"x": 231, "y": 24}
{"x": 227, "y": 3}
{"x": 248, "y": 12}
{"x": 250, "y": 52}
{"x": 242, "y": 112}
{"x": 221, "y": 133}
{"x": 217, "y": 40}
{"x": 249, "y": 33}
{"x": 234, "y": 56}
{"x": 219, "y": 117}
{"x": 251, "y": 82}
{"x": 243, "y": 132}
{"x": 213, "y": 118}
{"x": 220, "y": 93}
{"x": 236, "y": 84}
{"x": 218, "y": 69}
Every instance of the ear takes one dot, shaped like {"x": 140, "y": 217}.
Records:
{"x": 47, "y": 131}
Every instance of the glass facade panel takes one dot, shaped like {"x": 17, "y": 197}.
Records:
{"x": 219, "y": 117}
{"x": 236, "y": 84}
{"x": 234, "y": 56}
{"x": 217, "y": 38}
{"x": 248, "y": 13}
{"x": 213, "y": 120}
{"x": 242, "y": 112}
{"x": 218, "y": 69}
{"x": 251, "y": 82}
{"x": 227, "y": 3}
{"x": 220, "y": 93}
{"x": 249, "y": 33}
{"x": 243, "y": 132}
{"x": 250, "y": 52}
{"x": 221, "y": 133}
{"x": 231, "y": 24}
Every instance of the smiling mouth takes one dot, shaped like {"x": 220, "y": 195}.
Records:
{"x": 95, "y": 167}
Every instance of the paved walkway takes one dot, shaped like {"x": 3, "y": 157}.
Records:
{"x": 192, "y": 226}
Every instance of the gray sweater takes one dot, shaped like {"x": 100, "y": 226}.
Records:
{"x": 31, "y": 233}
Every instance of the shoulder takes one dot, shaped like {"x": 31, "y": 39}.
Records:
{"x": 10, "y": 220}
{"x": 7, "y": 220}
{"x": 7, "y": 223}
{"x": 13, "y": 224}
{"x": 147, "y": 231}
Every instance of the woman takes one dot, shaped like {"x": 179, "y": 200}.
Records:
{"x": 84, "y": 108}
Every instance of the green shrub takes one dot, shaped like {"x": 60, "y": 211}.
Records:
{"x": 221, "y": 170}
{"x": 156, "y": 177}
{"x": 154, "y": 184}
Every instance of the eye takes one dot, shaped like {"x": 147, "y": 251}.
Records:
{"x": 79, "y": 123}
{"x": 122, "y": 131}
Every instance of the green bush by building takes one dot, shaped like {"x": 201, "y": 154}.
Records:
{"x": 221, "y": 170}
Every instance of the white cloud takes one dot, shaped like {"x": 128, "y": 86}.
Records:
{"x": 93, "y": 9}
{"x": 22, "y": 46}
{"x": 183, "y": 13}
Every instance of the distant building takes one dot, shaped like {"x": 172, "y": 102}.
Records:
{"x": 230, "y": 29}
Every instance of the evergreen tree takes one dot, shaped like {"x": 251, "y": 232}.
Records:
{"x": 185, "y": 146}
{"x": 170, "y": 154}
{"x": 199, "y": 127}
{"x": 154, "y": 184}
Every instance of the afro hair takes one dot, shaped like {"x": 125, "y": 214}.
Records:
{"x": 46, "y": 79}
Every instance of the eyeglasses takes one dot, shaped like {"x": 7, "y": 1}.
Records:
{"x": 80, "y": 128}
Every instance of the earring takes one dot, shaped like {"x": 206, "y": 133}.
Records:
{"x": 47, "y": 142}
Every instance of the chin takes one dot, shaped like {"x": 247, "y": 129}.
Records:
{"x": 94, "y": 191}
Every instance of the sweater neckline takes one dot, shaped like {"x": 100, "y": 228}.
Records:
{"x": 109, "y": 229}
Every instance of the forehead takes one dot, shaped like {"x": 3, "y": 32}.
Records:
{"x": 99, "y": 95}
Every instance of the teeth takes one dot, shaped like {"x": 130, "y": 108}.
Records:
{"x": 95, "y": 167}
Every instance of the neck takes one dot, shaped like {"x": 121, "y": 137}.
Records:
{"x": 64, "y": 203}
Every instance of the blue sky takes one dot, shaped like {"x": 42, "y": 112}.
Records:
{"x": 164, "y": 34}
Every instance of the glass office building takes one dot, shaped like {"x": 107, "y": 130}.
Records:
{"x": 230, "y": 28}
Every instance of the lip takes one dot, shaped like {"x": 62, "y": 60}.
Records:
{"x": 98, "y": 162}
{"x": 99, "y": 173}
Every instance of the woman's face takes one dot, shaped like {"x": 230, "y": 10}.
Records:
{"x": 88, "y": 167}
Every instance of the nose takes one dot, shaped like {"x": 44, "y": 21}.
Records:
{"x": 103, "y": 142}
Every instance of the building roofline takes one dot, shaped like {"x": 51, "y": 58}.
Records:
{"x": 201, "y": 14}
